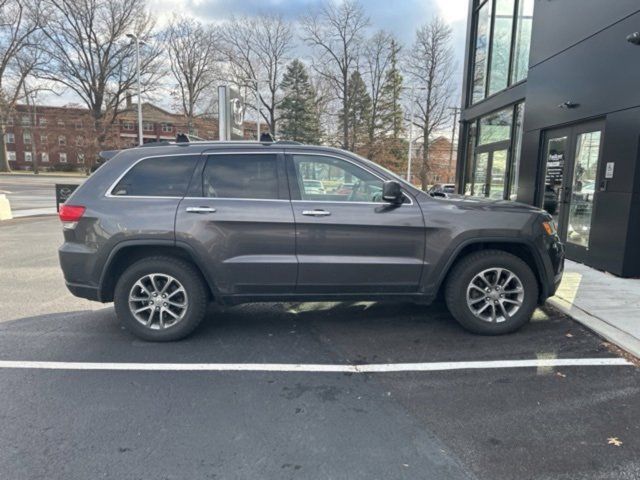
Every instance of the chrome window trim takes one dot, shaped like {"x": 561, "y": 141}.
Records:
{"x": 238, "y": 199}
{"x": 375, "y": 174}
{"x": 108, "y": 193}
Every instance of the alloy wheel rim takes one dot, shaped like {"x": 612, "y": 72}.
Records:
{"x": 158, "y": 301}
{"x": 495, "y": 295}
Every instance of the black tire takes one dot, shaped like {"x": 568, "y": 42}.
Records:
{"x": 464, "y": 272}
{"x": 190, "y": 279}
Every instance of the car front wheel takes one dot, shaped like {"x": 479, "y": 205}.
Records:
{"x": 491, "y": 292}
{"x": 160, "y": 299}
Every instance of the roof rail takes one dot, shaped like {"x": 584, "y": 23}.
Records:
{"x": 159, "y": 143}
{"x": 287, "y": 142}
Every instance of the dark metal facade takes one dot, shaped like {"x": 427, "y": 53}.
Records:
{"x": 582, "y": 72}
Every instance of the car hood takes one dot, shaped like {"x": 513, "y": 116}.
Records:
{"x": 465, "y": 201}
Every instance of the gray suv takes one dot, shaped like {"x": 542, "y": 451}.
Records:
{"x": 163, "y": 229}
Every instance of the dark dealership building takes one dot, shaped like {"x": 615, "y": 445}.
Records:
{"x": 551, "y": 117}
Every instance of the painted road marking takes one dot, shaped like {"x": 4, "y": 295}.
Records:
{"x": 311, "y": 368}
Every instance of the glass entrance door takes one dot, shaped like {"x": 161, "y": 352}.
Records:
{"x": 490, "y": 171}
{"x": 570, "y": 183}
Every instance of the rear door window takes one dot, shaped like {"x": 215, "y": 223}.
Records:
{"x": 245, "y": 176}
{"x": 157, "y": 177}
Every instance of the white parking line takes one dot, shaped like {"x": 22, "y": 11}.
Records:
{"x": 312, "y": 368}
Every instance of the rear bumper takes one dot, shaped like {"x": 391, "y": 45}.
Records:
{"x": 83, "y": 291}
{"x": 77, "y": 263}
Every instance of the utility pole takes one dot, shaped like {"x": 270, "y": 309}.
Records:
{"x": 135, "y": 38}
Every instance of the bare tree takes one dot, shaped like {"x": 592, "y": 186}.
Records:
{"x": 257, "y": 49}
{"x": 91, "y": 55}
{"x": 20, "y": 39}
{"x": 430, "y": 66}
{"x": 194, "y": 50}
{"x": 336, "y": 33}
{"x": 378, "y": 55}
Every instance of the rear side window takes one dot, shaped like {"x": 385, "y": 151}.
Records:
{"x": 250, "y": 176}
{"x": 157, "y": 177}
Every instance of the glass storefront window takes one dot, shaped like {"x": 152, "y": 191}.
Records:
{"x": 524, "y": 19}
{"x": 501, "y": 46}
{"x": 496, "y": 127}
{"x": 514, "y": 173}
{"x": 500, "y": 58}
{"x": 493, "y": 155}
{"x": 483, "y": 30}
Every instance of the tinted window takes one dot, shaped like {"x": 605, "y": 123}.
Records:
{"x": 332, "y": 179}
{"x": 241, "y": 176}
{"x": 158, "y": 177}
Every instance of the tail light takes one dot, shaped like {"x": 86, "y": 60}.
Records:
{"x": 70, "y": 214}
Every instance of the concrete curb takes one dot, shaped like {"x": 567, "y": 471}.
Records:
{"x": 601, "y": 327}
{"x": 5, "y": 208}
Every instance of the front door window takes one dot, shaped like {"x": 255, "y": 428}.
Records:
{"x": 324, "y": 178}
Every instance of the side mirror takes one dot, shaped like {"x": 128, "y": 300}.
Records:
{"x": 391, "y": 192}
{"x": 438, "y": 194}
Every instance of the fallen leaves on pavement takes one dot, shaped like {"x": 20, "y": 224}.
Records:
{"x": 614, "y": 441}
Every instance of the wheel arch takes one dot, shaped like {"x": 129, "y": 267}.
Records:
{"x": 520, "y": 248}
{"x": 127, "y": 252}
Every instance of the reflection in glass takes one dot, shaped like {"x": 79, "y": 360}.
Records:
{"x": 522, "y": 41}
{"x": 583, "y": 188}
{"x": 498, "y": 174}
{"x": 482, "y": 51}
{"x": 515, "y": 162}
{"x": 478, "y": 189}
{"x": 496, "y": 127}
{"x": 501, "y": 46}
{"x": 471, "y": 145}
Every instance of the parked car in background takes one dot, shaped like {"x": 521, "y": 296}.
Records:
{"x": 438, "y": 188}
{"x": 162, "y": 230}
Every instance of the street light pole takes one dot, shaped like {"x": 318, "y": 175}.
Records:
{"x": 137, "y": 40}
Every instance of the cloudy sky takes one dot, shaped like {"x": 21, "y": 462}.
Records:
{"x": 401, "y": 17}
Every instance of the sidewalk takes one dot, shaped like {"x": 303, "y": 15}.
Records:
{"x": 604, "y": 303}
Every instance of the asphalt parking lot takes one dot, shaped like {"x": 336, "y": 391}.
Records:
{"x": 483, "y": 423}
{"x": 27, "y": 191}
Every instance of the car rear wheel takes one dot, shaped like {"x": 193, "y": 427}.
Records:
{"x": 160, "y": 299}
{"x": 491, "y": 292}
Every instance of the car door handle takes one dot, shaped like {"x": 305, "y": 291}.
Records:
{"x": 200, "y": 210}
{"x": 316, "y": 213}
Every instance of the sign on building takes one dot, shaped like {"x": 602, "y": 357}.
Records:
{"x": 231, "y": 108}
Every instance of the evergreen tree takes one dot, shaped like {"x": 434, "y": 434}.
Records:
{"x": 391, "y": 121}
{"x": 299, "y": 116}
{"x": 391, "y": 146}
{"x": 358, "y": 113}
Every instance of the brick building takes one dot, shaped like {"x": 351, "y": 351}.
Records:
{"x": 442, "y": 162}
{"x": 62, "y": 138}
